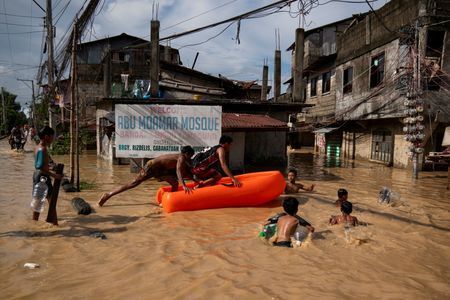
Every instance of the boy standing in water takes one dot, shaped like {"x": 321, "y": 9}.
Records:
{"x": 42, "y": 163}
{"x": 287, "y": 223}
{"x": 293, "y": 187}
{"x": 169, "y": 167}
{"x": 346, "y": 209}
{"x": 342, "y": 196}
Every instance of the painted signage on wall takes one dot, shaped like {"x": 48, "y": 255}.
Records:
{"x": 147, "y": 131}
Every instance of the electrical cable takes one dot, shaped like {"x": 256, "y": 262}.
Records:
{"x": 23, "y": 25}
{"x": 61, "y": 12}
{"x": 24, "y": 32}
{"x": 375, "y": 91}
{"x": 201, "y": 14}
{"x": 7, "y": 30}
{"x": 378, "y": 17}
{"x": 282, "y": 3}
{"x": 21, "y": 16}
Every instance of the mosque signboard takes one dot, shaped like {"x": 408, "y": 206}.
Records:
{"x": 148, "y": 131}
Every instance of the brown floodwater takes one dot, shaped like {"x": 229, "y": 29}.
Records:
{"x": 403, "y": 252}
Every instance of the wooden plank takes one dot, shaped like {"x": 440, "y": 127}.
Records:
{"x": 52, "y": 216}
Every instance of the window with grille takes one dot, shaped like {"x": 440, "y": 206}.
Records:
{"x": 348, "y": 80}
{"x": 377, "y": 70}
{"x": 326, "y": 82}
{"x": 313, "y": 91}
{"x": 382, "y": 143}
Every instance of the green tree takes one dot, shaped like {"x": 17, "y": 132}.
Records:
{"x": 14, "y": 115}
{"x": 41, "y": 110}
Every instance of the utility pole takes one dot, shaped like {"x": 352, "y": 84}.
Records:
{"x": 414, "y": 127}
{"x": 50, "y": 59}
{"x": 5, "y": 129}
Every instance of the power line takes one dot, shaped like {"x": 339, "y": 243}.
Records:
{"x": 213, "y": 37}
{"x": 378, "y": 17}
{"x": 25, "y": 32}
{"x": 7, "y": 32}
{"x": 201, "y": 14}
{"x": 279, "y": 4}
{"x": 21, "y": 16}
{"x": 16, "y": 70}
{"x": 24, "y": 25}
{"x": 62, "y": 12}
{"x": 39, "y": 5}
{"x": 14, "y": 64}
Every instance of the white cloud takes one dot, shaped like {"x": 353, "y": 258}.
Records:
{"x": 220, "y": 55}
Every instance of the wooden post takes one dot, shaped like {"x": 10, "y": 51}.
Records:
{"x": 448, "y": 175}
{"x": 52, "y": 216}
{"x": 73, "y": 90}
{"x": 77, "y": 143}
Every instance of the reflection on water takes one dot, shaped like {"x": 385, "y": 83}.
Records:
{"x": 402, "y": 253}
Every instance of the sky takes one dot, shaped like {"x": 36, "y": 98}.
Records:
{"x": 21, "y": 33}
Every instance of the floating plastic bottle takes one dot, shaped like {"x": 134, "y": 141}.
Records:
{"x": 40, "y": 191}
{"x": 268, "y": 231}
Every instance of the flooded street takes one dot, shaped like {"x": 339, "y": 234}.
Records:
{"x": 403, "y": 252}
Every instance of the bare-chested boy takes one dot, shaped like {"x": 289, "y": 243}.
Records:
{"x": 169, "y": 168}
{"x": 287, "y": 223}
{"x": 346, "y": 209}
{"x": 293, "y": 187}
{"x": 42, "y": 163}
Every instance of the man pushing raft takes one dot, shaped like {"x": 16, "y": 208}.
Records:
{"x": 169, "y": 168}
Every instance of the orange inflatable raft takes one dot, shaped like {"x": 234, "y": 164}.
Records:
{"x": 257, "y": 188}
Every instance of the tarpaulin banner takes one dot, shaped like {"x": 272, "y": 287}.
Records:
{"x": 147, "y": 131}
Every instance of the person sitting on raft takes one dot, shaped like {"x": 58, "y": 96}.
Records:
{"x": 168, "y": 167}
{"x": 346, "y": 209}
{"x": 287, "y": 223}
{"x": 342, "y": 196}
{"x": 205, "y": 164}
{"x": 292, "y": 187}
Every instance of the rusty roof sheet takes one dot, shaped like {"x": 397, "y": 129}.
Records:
{"x": 250, "y": 121}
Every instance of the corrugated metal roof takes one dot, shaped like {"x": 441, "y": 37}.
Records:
{"x": 250, "y": 121}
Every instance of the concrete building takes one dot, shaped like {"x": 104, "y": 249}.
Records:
{"x": 374, "y": 79}
{"x": 319, "y": 82}
{"x": 360, "y": 78}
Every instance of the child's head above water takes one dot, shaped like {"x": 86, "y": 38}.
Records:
{"x": 290, "y": 205}
{"x": 292, "y": 175}
{"x": 342, "y": 194}
{"x": 347, "y": 207}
